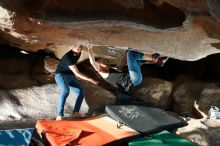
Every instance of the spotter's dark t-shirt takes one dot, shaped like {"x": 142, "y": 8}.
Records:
{"x": 70, "y": 58}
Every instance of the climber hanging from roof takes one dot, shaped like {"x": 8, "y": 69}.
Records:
{"x": 123, "y": 80}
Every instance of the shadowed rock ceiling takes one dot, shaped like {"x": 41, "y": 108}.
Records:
{"x": 185, "y": 30}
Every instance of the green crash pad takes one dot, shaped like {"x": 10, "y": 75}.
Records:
{"x": 163, "y": 138}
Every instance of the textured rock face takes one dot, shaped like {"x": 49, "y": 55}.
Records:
{"x": 180, "y": 29}
{"x": 201, "y": 132}
{"x": 155, "y": 91}
{"x": 184, "y": 30}
{"x": 210, "y": 96}
{"x": 28, "y": 92}
{"x": 185, "y": 95}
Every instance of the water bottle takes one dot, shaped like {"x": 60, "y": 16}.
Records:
{"x": 214, "y": 113}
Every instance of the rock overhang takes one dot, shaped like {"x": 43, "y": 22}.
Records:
{"x": 182, "y": 30}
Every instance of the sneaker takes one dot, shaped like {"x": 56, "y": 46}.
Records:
{"x": 77, "y": 115}
{"x": 58, "y": 118}
{"x": 162, "y": 60}
{"x": 155, "y": 57}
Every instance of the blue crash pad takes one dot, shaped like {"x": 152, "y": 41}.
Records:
{"x": 16, "y": 137}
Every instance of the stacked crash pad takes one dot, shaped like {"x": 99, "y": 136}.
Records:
{"x": 16, "y": 137}
{"x": 96, "y": 131}
{"x": 137, "y": 120}
{"x": 145, "y": 119}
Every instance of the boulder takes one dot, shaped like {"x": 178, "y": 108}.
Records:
{"x": 210, "y": 96}
{"x": 155, "y": 91}
{"x": 184, "y": 96}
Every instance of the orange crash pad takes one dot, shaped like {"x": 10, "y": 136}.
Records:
{"x": 90, "y": 132}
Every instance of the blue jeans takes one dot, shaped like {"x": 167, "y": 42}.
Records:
{"x": 65, "y": 83}
{"x": 133, "y": 60}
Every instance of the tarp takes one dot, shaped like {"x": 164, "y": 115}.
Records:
{"x": 90, "y": 132}
{"x": 16, "y": 137}
{"x": 163, "y": 138}
{"x": 144, "y": 119}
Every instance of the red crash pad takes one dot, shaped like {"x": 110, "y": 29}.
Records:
{"x": 90, "y": 132}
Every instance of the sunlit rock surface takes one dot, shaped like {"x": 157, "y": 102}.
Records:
{"x": 186, "y": 30}
{"x": 202, "y": 132}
